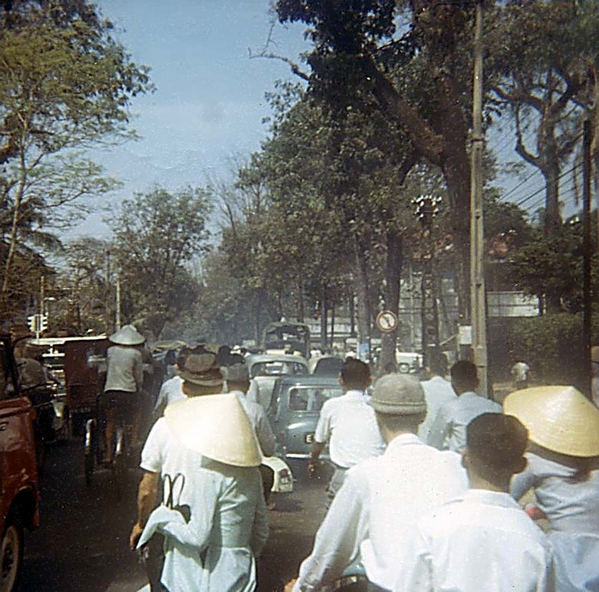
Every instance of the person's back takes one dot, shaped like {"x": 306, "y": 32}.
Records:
{"x": 437, "y": 391}
{"x": 482, "y": 540}
{"x": 124, "y": 369}
{"x": 448, "y": 430}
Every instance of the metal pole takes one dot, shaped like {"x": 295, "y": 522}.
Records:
{"x": 477, "y": 277}
{"x": 587, "y": 314}
{"x": 118, "y": 302}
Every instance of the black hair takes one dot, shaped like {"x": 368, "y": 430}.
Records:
{"x": 498, "y": 441}
{"x": 465, "y": 374}
{"x": 355, "y": 374}
{"x": 437, "y": 362}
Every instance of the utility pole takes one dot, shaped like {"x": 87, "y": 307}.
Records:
{"x": 477, "y": 275}
{"x": 587, "y": 295}
{"x": 118, "y": 302}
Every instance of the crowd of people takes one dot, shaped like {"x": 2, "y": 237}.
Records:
{"x": 423, "y": 497}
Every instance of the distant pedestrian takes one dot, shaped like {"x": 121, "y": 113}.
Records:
{"x": 448, "y": 430}
{"x": 520, "y": 373}
{"x": 437, "y": 390}
{"x": 483, "y": 540}
{"x": 563, "y": 471}
{"x": 172, "y": 389}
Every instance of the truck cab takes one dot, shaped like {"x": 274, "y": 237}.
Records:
{"x": 19, "y": 492}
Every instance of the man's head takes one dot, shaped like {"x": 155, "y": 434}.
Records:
{"x": 437, "y": 363}
{"x": 201, "y": 375}
{"x": 399, "y": 403}
{"x": 464, "y": 377}
{"x": 495, "y": 447}
{"x": 238, "y": 377}
{"x": 355, "y": 375}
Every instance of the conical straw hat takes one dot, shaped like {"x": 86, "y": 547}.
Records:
{"x": 127, "y": 335}
{"x": 217, "y": 427}
{"x": 559, "y": 418}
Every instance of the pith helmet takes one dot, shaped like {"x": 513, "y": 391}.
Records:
{"x": 559, "y": 418}
{"x": 127, "y": 335}
{"x": 398, "y": 394}
{"x": 217, "y": 427}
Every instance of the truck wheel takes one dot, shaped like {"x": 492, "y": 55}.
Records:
{"x": 11, "y": 554}
{"x": 404, "y": 368}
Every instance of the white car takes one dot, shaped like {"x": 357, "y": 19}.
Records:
{"x": 408, "y": 362}
{"x": 283, "y": 478}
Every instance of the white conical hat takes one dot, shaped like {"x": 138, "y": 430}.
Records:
{"x": 217, "y": 427}
{"x": 559, "y": 418}
{"x": 127, "y": 335}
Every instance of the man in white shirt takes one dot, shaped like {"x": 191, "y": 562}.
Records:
{"x": 448, "y": 430}
{"x": 349, "y": 426}
{"x": 437, "y": 391}
{"x": 172, "y": 389}
{"x": 383, "y": 497}
{"x": 482, "y": 540}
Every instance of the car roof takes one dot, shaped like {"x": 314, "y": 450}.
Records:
{"x": 310, "y": 380}
{"x": 260, "y": 358}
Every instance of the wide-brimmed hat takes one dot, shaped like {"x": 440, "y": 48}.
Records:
{"x": 559, "y": 418}
{"x": 595, "y": 354}
{"x": 398, "y": 394}
{"x": 217, "y": 427}
{"x": 127, "y": 335}
{"x": 201, "y": 369}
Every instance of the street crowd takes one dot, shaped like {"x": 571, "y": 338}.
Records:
{"x": 425, "y": 490}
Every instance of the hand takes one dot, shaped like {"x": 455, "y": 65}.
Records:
{"x": 312, "y": 468}
{"x": 135, "y": 534}
{"x": 289, "y": 585}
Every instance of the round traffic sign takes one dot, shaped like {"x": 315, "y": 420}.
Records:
{"x": 386, "y": 321}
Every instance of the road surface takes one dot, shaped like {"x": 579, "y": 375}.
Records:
{"x": 82, "y": 543}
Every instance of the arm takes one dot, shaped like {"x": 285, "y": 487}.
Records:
{"x": 265, "y": 436}
{"x": 146, "y": 501}
{"x": 338, "y": 539}
{"x": 416, "y": 573}
{"x": 260, "y": 528}
{"x": 439, "y": 428}
{"x": 139, "y": 372}
{"x": 321, "y": 437}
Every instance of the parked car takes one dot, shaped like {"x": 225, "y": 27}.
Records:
{"x": 408, "y": 362}
{"x": 325, "y": 366}
{"x": 264, "y": 370}
{"x": 294, "y": 412}
{"x": 19, "y": 495}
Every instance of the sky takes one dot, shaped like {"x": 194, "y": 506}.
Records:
{"x": 209, "y": 101}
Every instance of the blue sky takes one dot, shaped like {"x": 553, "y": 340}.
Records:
{"x": 209, "y": 101}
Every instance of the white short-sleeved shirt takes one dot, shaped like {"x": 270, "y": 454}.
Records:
{"x": 171, "y": 391}
{"x": 448, "y": 430}
{"x": 259, "y": 421}
{"x": 437, "y": 392}
{"x": 482, "y": 541}
{"x": 349, "y": 425}
{"x": 377, "y": 508}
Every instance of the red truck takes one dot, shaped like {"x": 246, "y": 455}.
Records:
{"x": 19, "y": 491}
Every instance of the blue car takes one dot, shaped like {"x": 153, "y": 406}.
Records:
{"x": 294, "y": 411}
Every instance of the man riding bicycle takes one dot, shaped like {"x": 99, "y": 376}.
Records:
{"x": 121, "y": 399}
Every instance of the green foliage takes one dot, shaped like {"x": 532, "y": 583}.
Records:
{"x": 551, "y": 345}
{"x": 156, "y": 235}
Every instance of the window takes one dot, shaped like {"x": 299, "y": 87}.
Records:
{"x": 303, "y": 398}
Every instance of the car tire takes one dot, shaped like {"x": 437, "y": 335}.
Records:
{"x": 404, "y": 368}
{"x": 11, "y": 554}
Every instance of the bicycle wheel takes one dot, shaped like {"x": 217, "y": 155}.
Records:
{"x": 90, "y": 445}
{"x": 119, "y": 466}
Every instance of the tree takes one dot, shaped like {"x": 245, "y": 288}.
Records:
{"x": 156, "y": 235}
{"x": 419, "y": 78}
{"x": 65, "y": 84}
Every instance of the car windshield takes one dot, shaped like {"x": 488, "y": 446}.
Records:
{"x": 311, "y": 398}
{"x": 277, "y": 368}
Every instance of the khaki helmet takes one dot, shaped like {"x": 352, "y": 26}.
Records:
{"x": 127, "y": 335}
{"x": 217, "y": 427}
{"x": 558, "y": 418}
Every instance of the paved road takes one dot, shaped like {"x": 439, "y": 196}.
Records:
{"x": 81, "y": 545}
